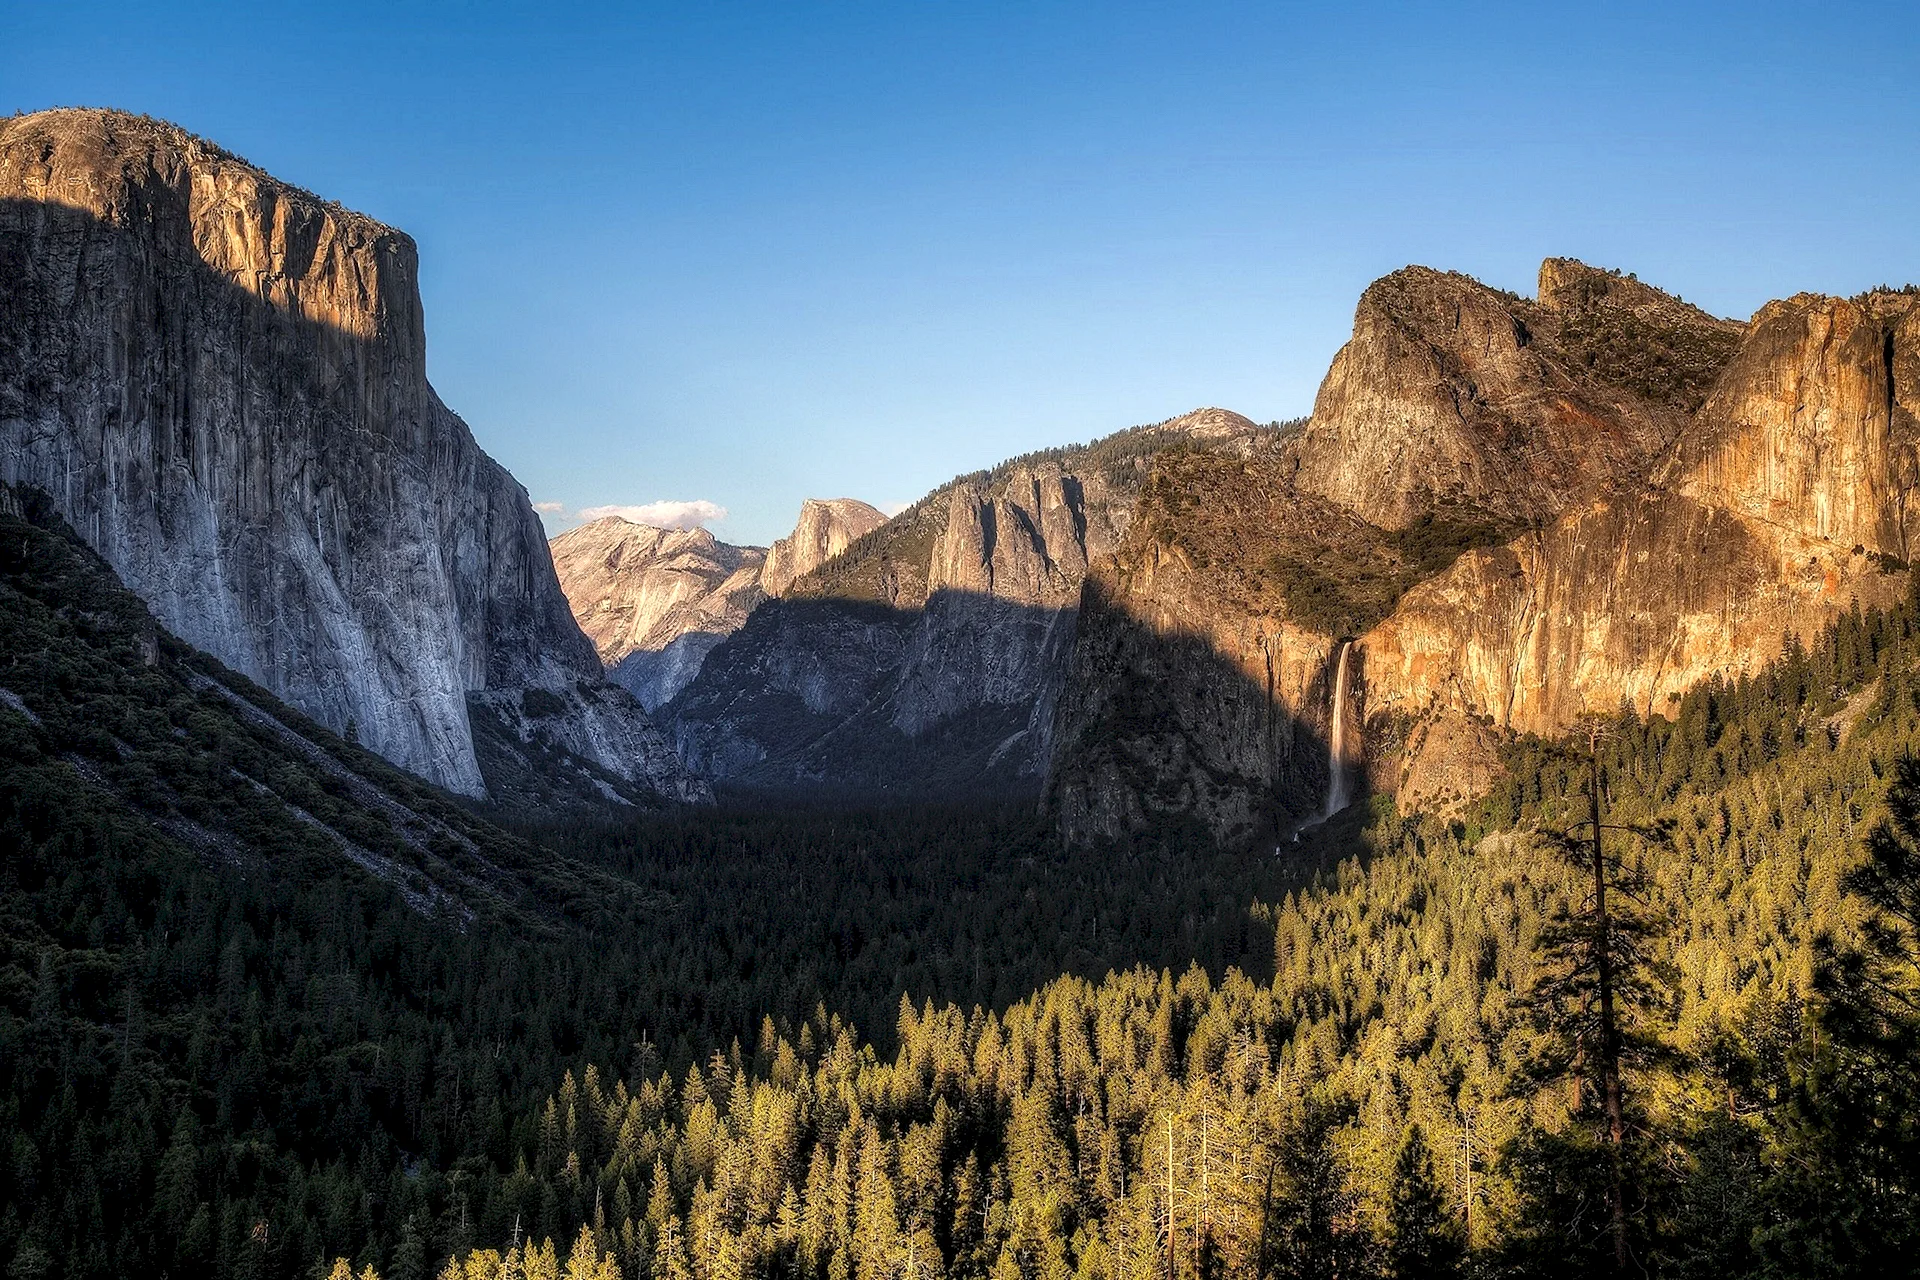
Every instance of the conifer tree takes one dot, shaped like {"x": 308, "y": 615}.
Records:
{"x": 1848, "y": 1195}
{"x": 1597, "y": 977}
{"x": 1424, "y": 1241}
{"x": 1319, "y": 1234}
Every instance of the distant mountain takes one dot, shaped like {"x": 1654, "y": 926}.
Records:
{"x": 924, "y": 660}
{"x": 220, "y": 382}
{"x": 656, "y": 601}
{"x": 826, "y": 527}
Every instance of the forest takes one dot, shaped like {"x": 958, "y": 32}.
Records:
{"x": 930, "y": 1043}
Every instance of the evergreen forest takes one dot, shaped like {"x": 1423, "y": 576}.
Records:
{"x": 1651, "y": 1007}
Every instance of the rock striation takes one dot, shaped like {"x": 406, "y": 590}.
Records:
{"x": 826, "y": 527}
{"x": 655, "y": 601}
{"x": 219, "y": 381}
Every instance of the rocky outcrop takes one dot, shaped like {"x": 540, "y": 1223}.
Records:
{"x": 219, "y": 381}
{"x": 1813, "y": 429}
{"x": 1784, "y": 501}
{"x": 926, "y": 660}
{"x": 655, "y": 601}
{"x": 1452, "y": 395}
{"x": 826, "y": 527}
{"x": 1200, "y": 692}
{"x": 1670, "y": 495}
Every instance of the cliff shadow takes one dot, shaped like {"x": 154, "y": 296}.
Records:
{"x": 1162, "y": 738}
{"x": 831, "y": 702}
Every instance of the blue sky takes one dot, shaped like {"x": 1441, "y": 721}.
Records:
{"x": 746, "y": 254}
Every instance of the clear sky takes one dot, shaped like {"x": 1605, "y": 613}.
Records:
{"x": 746, "y": 254}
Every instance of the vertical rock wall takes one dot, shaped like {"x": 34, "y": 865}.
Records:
{"x": 220, "y": 381}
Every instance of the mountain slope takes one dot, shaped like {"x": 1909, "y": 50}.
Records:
{"x": 251, "y": 973}
{"x": 220, "y": 382}
{"x": 655, "y": 601}
{"x": 1520, "y": 512}
{"x": 1454, "y": 394}
{"x": 925, "y": 660}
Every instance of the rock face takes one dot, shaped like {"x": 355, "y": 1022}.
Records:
{"x": 927, "y": 658}
{"x": 219, "y": 381}
{"x": 1523, "y": 511}
{"x": 827, "y": 526}
{"x": 1786, "y": 498}
{"x": 655, "y": 601}
{"x": 1195, "y": 695}
{"x": 1451, "y": 394}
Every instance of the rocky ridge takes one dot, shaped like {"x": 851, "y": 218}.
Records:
{"x": 927, "y": 657}
{"x": 219, "y": 382}
{"x": 655, "y": 601}
{"x": 1786, "y": 499}
{"x": 1520, "y": 511}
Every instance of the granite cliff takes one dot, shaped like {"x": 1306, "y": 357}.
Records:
{"x": 1785, "y": 500}
{"x": 219, "y": 382}
{"x": 655, "y": 601}
{"x": 1518, "y": 511}
{"x": 826, "y": 527}
{"x": 925, "y": 659}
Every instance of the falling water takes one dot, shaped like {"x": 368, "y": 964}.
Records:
{"x": 1337, "y": 737}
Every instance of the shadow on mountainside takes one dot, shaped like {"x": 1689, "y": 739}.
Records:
{"x": 1135, "y": 740}
{"x": 1161, "y": 737}
{"x": 827, "y": 702}
{"x": 271, "y": 472}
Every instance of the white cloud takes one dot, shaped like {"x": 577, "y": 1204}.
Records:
{"x": 892, "y": 509}
{"x": 662, "y": 515}
{"x": 550, "y": 508}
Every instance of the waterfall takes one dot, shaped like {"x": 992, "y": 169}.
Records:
{"x": 1337, "y": 798}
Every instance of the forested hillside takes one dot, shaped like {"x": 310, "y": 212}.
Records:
{"x": 247, "y": 1029}
{"x": 1399, "y": 1099}
{"x": 262, "y": 995}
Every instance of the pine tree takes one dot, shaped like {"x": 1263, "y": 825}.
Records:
{"x": 410, "y": 1252}
{"x": 1596, "y": 978}
{"x": 585, "y": 1262}
{"x": 1848, "y": 1195}
{"x": 1317, "y": 1231}
{"x": 1424, "y": 1241}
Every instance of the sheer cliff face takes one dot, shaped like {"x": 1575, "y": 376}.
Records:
{"x": 220, "y": 382}
{"x": 655, "y": 601}
{"x": 1667, "y": 496}
{"x": 826, "y": 527}
{"x": 1785, "y": 499}
{"x": 1813, "y": 429}
{"x": 1192, "y": 695}
{"x": 927, "y": 658}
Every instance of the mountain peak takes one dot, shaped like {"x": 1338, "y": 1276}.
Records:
{"x": 827, "y": 526}
{"x": 1212, "y": 423}
{"x": 1569, "y": 285}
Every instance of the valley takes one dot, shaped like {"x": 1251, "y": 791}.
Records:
{"x": 1158, "y": 856}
